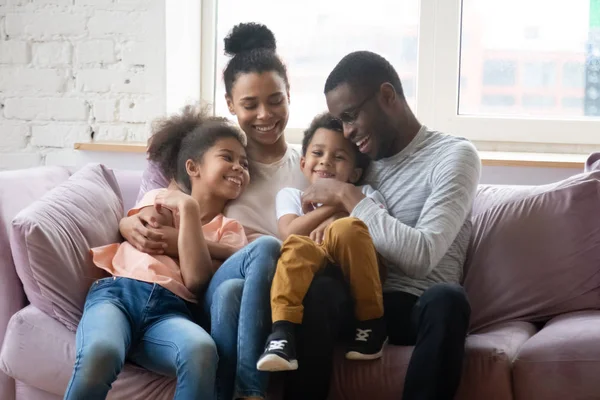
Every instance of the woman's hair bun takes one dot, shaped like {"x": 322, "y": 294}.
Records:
{"x": 249, "y": 36}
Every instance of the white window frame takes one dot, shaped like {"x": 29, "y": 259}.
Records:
{"x": 439, "y": 60}
{"x": 191, "y": 62}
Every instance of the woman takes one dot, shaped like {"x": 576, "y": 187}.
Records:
{"x": 257, "y": 93}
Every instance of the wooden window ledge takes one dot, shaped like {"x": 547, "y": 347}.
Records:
{"x": 488, "y": 158}
{"x": 112, "y": 147}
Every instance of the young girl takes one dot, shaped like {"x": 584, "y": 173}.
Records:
{"x": 141, "y": 313}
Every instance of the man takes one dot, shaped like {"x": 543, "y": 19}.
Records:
{"x": 428, "y": 180}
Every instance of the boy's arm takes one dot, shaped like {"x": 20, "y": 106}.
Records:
{"x": 292, "y": 224}
{"x": 292, "y": 220}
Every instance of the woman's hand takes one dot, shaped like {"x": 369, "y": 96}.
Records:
{"x": 142, "y": 231}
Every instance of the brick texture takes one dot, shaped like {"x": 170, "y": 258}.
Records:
{"x": 73, "y": 69}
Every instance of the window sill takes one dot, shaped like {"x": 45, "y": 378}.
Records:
{"x": 112, "y": 147}
{"x": 488, "y": 158}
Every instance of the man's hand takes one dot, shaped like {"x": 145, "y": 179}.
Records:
{"x": 322, "y": 191}
{"x": 330, "y": 192}
{"x": 143, "y": 232}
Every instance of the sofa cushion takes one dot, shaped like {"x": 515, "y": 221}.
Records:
{"x": 40, "y": 351}
{"x": 561, "y": 361}
{"x": 27, "y": 392}
{"x": 17, "y": 190}
{"x": 129, "y": 184}
{"x": 593, "y": 162}
{"x": 535, "y": 252}
{"x": 152, "y": 178}
{"x": 486, "y": 370}
{"x": 51, "y": 241}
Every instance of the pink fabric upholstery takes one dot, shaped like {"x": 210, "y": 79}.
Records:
{"x": 593, "y": 162}
{"x": 486, "y": 371}
{"x": 535, "y": 253}
{"x": 17, "y": 190}
{"x": 51, "y": 241}
{"x": 35, "y": 339}
{"x": 152, "y": 178}
{"x": 562, "y": 361}
{"x": 488, "y": 361}
{"x": 27, "y": 392}
{"x": 129, "y": 183}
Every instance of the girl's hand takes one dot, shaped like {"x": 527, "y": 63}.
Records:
{"x": 174, "y": 200}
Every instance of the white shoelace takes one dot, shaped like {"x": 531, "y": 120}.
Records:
{"x": 362, "y": 335}
{"x": 277, "y": 344}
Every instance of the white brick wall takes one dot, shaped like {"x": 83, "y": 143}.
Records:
{"x": 73, "y": 70}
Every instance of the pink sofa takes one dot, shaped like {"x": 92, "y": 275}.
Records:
{"x": 557, "y": 356}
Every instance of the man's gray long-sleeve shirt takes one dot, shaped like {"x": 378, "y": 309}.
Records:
{"x": 429, "y": 188}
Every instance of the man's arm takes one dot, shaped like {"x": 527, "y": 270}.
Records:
{"x": 416, "y": 251}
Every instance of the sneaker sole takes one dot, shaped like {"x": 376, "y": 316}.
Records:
{"x": 274, "y": 363}
{"x": 355, "y": 355}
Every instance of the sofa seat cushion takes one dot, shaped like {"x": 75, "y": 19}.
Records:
{"x": 28, "y": 392}
{"x": 535, "y": 252}
{"x": 51, "y": 240}
{"x": 562, "y": 361}
{"x": 40, "y": 351}
{"x": 486, "y": 371}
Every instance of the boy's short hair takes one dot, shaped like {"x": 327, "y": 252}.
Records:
{"x": 327, "y": 121}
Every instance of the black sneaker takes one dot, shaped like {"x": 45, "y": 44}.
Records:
{"x": 279, "y": 354}
{"x": 369, "y": 340}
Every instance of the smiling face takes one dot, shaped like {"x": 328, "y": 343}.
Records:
{"x": 223, "y": 170}
{"x": 365, "y": 122}
{"x": 260, "y": 101}
{"x": 330, "y": 156}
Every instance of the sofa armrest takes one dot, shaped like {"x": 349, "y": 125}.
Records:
{"x": 12, "y": 299}
{"x": 593, "y": 162}
{"x": 18, "y": 189}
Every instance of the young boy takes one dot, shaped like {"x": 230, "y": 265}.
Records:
{"x": 317, "y": 238}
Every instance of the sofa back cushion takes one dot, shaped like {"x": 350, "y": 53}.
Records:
{"x": 129, "y": 184}
{"x": 51, "y": 240}
{"x": 535, "y": 251}
{"x": 593, "y": 162}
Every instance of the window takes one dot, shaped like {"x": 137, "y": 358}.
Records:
{"x": 499, "y": 73}
{"x": 533, "y": 41}
{"x": 529, "y": 72}
{"x": 537, "y": 101}
{"x": 572, "y": 102}
{"x": 574, "y": 75}
{"x": 318, "y": 35}
{"x": 497, "y": 100}
{"x": 473, "y": 68}
{"x": 408, "y": 85}
{"x": 538, "y": 74}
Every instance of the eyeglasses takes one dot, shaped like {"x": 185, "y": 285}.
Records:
{"x": 350, "y": 117}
